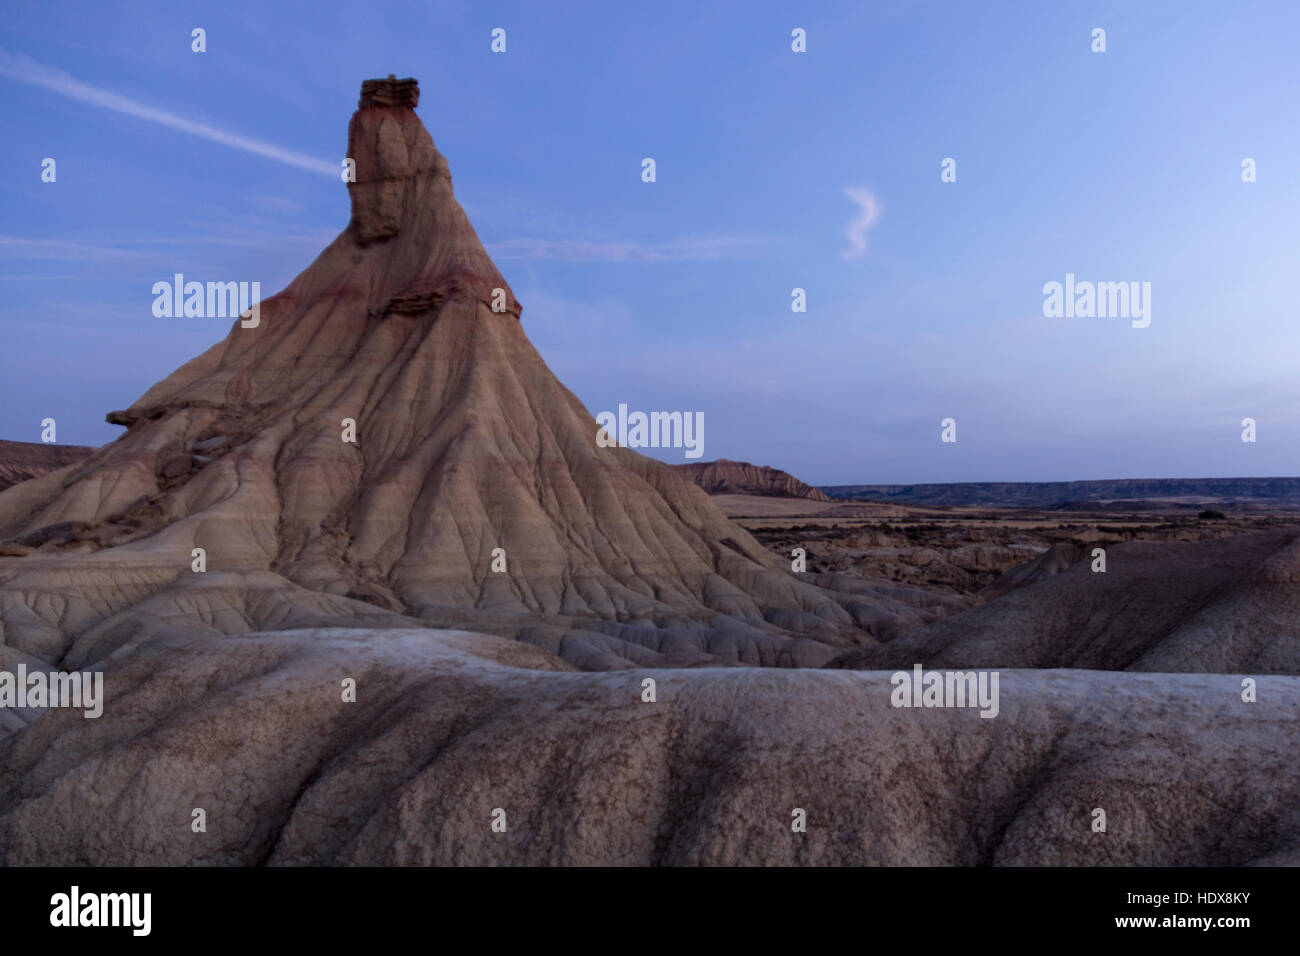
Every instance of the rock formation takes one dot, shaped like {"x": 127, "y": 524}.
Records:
{"x": 379, "y": 483}
{"x": 20, "y": 460}
{"x": 1188, "y": 493}
{"x": 474, "y": 494}
{"x": 1227, "y": 606}
{"x": 725, "y": 477}
{"x": 450, "y": 727}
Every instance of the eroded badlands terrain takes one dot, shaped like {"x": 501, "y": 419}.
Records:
{"x": 363, "y": 587}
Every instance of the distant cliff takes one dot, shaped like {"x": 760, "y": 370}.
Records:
{"x": 724, "y": 477}
{"x": 1192, "y": 492}
{"x": 20, "y": 460}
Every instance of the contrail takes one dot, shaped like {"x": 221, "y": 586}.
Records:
{"x": 27, "y": 70}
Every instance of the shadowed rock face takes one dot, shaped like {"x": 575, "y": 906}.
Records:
{"x": 449, "y": 727}
{"x": 465, "y": 443}
{"x": 1230, "y": 605}
{"x": 20, "y": 461}
{"x": 725, "y": 477}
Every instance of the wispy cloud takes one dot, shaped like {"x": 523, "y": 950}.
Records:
{"x": 22, "y": 247}
{"x": 276, "y": 204}
{"x": 75, "y": 250}
{"x": 26, "y": 70}
{"x": 868, "y": 213}
{"x": 242, "y": 239}
{"x": 673, "y": 250}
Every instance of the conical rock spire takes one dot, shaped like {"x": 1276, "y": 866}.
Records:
{"x": 384, "y": 443}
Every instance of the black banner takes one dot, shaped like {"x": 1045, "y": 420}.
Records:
{"x": 332, "y": 906}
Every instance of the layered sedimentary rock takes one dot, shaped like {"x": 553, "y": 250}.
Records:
{"x": 726, "y": 477}
{"x": 1230, "y": 606}
{"x": 285, "y": 571}
{"x": 20, "y": 460}
{"x": 452, "y": 732}
{"x": 474, "y": 493}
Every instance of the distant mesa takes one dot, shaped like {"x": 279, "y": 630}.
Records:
{"x": 725, "y": 477}
{"x": 20, "y": 461}
{"x": 1191, "y": 493}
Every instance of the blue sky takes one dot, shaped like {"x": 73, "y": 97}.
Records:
{"x": 675, "y": 295}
